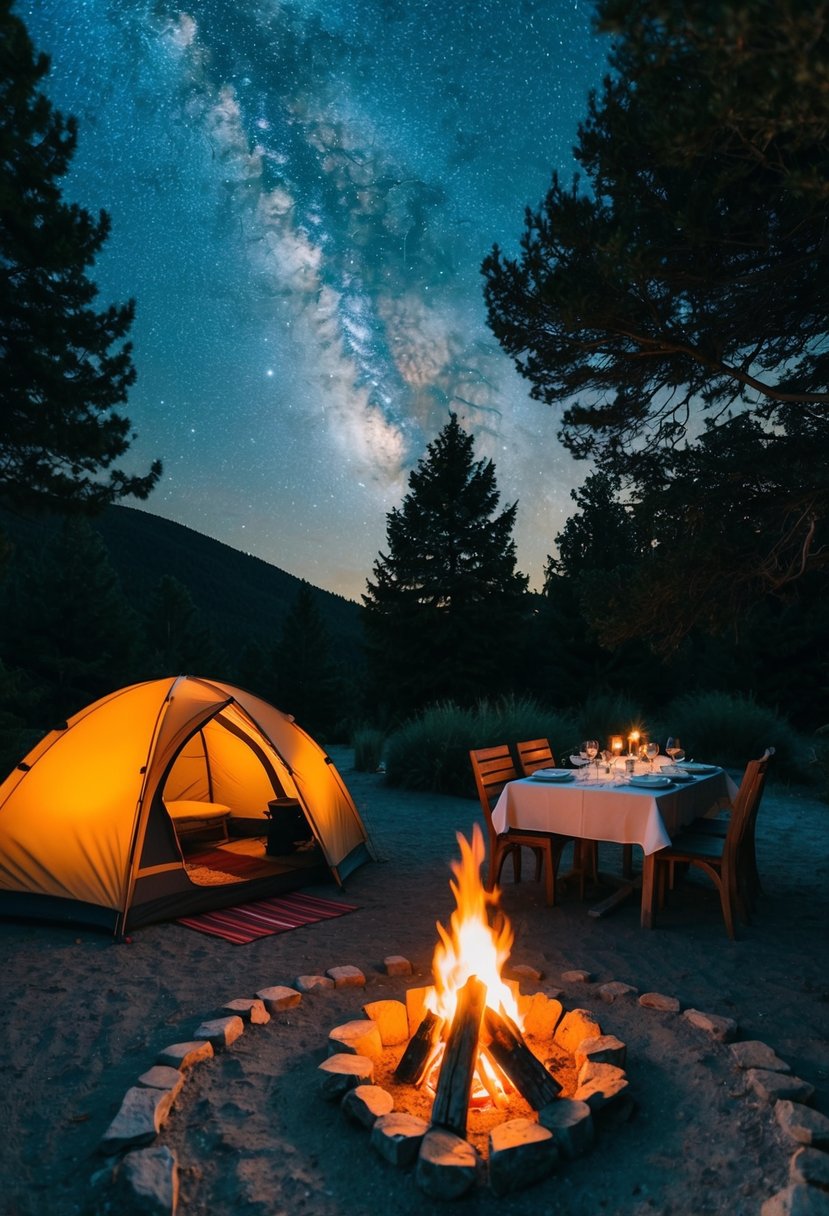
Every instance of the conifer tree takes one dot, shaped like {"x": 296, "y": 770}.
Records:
{"x": 307, "y": 680}
{"x": 65, "y": 366}
{"x": 444, "y": 612}
{"x": 179, "y": 641}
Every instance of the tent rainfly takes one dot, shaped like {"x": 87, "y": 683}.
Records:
{"x": 87, "y": 820}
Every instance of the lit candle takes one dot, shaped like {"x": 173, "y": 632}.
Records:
{"x": 633, "y": 740}
{"x": 616, "y": 744}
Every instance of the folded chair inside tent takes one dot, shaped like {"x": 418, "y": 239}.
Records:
{"x": 85, "y": 834}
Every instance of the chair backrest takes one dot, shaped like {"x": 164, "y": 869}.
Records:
{"x": 747, "y": 804}
{"x": 534, "y": 754}
{"x": 492, "y": 767}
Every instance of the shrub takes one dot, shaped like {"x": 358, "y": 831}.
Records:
{"x": 368, "y": 749}
{"x": 431, "y": 751}
{"x": 606, "y": 714}
{"x": 730, "y": 729}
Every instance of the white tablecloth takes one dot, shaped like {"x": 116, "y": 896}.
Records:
{"x": 613, "y": 811}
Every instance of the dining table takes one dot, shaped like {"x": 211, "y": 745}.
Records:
{"x": 645, "y": 807}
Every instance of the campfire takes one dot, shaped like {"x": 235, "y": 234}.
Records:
{"x": 469, "y": 1047}
{"x": 472, "y": 1042}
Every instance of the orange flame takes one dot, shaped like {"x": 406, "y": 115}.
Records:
{"x": 472, "y": 946}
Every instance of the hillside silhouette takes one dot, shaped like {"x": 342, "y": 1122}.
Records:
{"x": 240, "y": 597}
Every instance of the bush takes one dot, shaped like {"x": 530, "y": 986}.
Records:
{"x": 431, "y": 752}
{"x": 731, "y": 729}
{"x": 368, "y": 749}
{"x": 606, "y": 714}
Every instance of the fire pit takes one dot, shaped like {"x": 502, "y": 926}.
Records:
{"x": 471, "y": 1076}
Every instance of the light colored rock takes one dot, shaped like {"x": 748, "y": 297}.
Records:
{"x": 186, "y": 1055}
{"x": 777, "y": 1086}
{"x": 574, "y": 1028}
{"x": 719, "y": 1028}
{"x": 575, "y": 977}
{"x": 606, "y": 1049}
{"x": 802, "y": 1124}
{"x": 615, "y": 989}
{"x": 250, "y": 1010}
{"x": 447, "y": 1166}
{"x": 658, "y": 1000}
{"x": 279, "y": 997}
{"x": 221, "y": 1032}
{"x": 571, "y": 1123}
{"x": 161, "y": 1076}
{"x": 307, "y": 983}
{"x": 396, "y": 964}
{"x": 521, "y": 1152}
{"x": 142, "y": 1114}
{"x": 810, "y": 1166}
{"x": 346, "y": 977}
{"x": 397, "y": 1137}
{"x": 523, "y": 971}
{"x": 415, "y": 1007}
{"x": 365, "y": 1103}
{"x": 146, "y": 1182}
{"x": 797, "y": 1200}
{"x": 599, "y": 1085}
{"x": 754, "y": 1054}
{"x": 361, "y": 1037}
{"x": 541, "y": 1015}
{"x": 391, "y": 1019}
{"x": 342, "y": 1072}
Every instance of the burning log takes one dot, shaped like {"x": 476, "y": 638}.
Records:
{"x": 420, "y": 1052}
{"x": 508, "y": 1049}
{"x": 459, "y": 1059}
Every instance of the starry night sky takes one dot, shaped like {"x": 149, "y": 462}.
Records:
{"x": 301, "y": 196}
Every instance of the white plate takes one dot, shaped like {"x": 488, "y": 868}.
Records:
{"x": 553, "y": 774}
{"x": 651, "y": 781}
{"x": 676, "y": 774}
{"x": 698, "y": 768}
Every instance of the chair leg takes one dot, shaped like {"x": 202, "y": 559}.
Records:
{"x": 549, "y": 872}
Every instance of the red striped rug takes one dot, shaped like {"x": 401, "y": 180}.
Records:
{"x": 246, "y": 922}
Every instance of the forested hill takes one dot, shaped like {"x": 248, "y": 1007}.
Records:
{"x": 240, "y": 597}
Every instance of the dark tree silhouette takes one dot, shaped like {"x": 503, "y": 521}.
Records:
{"x": 692, "y": 279}
{"x": 64, "y": 366}
{"x": 179, "y": 641}
{"x": 444, "y": 612}
{"x": 307, "y": 680}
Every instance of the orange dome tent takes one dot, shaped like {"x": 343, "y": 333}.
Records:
{"x": 88, "y": 820}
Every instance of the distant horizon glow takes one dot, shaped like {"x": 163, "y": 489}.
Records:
{"x": 301, "y": 197}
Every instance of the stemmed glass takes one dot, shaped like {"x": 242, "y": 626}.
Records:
{"x": 651, "y": 752}
{"x": 591, "y": 750}
{"x": 674, "y": 749}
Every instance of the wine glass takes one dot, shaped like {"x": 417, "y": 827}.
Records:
{"x": 591, "y": 750}
{"x": 651, "y": 752}
{"x": 674, "y": 748}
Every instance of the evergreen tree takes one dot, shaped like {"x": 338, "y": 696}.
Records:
{"x": 690, "y": 281}
{"x": 445, "y": 610}
{"x": 308, "y": 683}
{"x": 64, "y": 367}
{"x": 179, "y": 641}
{"x": 66, "y": 624}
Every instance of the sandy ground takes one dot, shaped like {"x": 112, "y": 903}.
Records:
{"x": 85, "y": 1016}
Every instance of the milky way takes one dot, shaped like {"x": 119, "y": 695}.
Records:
{"x": 301, "y": 197}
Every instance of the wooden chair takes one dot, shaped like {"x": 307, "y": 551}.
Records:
{"x": 532, "y": 755}
{"x": 493, "y": 767}
{"x": 726, "y": 860}
{"x": 717, "y": 825}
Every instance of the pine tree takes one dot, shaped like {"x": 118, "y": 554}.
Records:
{"x": 178, "y": 639}
{"x": 64, "y": 367}
{"x": 308, "y": 683}
{"x": 444, "y": 612}
{"x": 689, "y": 282}
{"x": 66, "y": 624}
